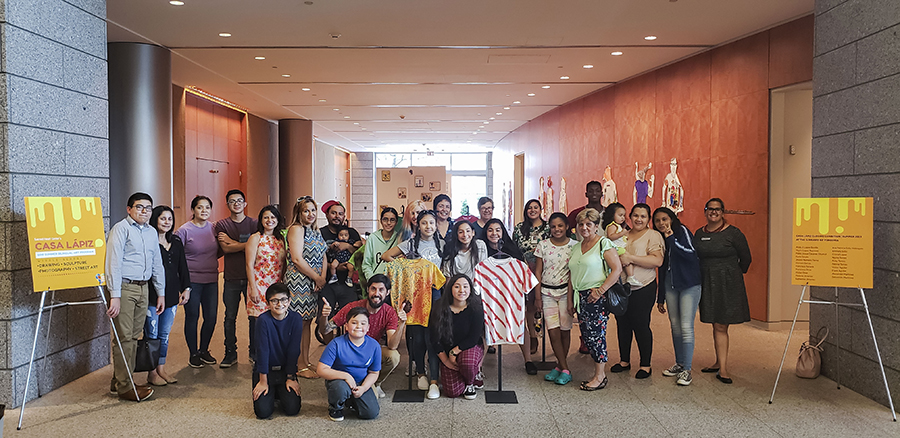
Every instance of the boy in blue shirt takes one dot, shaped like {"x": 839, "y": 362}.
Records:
{"x": 278, "y": 335}
{"x": 350, "y": 366}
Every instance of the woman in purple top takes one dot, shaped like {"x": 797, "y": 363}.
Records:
{"x": 201, "y": 251}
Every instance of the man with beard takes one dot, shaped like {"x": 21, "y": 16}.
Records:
{"x": 339, "y": 294}
{"x": 383, "y": 320}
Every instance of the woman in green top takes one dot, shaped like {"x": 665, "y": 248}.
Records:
{"x": 379, "y": 242}
{"x": 589, "y": 278}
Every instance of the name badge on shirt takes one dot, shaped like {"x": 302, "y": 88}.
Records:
{"x": 705, "y": 238}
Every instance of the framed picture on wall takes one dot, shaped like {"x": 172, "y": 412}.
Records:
{"x": 386, "y": 175}
{"x": 419, "y": 181}
{"x": 401, "y": 193}
{"x": 434, "y": 186}
{"x": 382, "y": 207}
{"x": 426, "y": 196}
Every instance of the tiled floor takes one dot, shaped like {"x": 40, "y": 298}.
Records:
{"x": 212, "y": 402}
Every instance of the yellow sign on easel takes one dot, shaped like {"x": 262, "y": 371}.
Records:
{"x": 66, "y": 241}
{"x": 832, "y": 242}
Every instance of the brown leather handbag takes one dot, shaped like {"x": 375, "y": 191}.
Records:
{"x": 809, "y": 364}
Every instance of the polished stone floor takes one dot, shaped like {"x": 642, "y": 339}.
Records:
{"x": 213, "y": 402}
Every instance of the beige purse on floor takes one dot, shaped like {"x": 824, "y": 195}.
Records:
{"x": 809, "y": 364}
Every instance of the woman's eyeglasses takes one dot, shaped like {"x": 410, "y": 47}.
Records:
{"x": 714, "y": 209}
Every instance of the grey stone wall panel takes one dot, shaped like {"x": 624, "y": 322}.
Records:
{"x": 834, "y": 70}
{"x": 32, "y": 56}
{"x": 833, "y": 155}
{"x": 878, "y": 150}
{"x": 887, "y": 246}
{"x": 35, "y": 150}
{"x": 47, "y": 185}
{"x": 93, "y": 7}
{"x": 879, "y": 53}
{"x": 824, "y": 5}
{"x": 87, "y": 156}
{"x": 864, "y": 106}
{"x": 853, "y": 20}
{"x": 85, "y": 73}
{"x": 61, "y": 22}
{"x": 22, "y": 336}
{"x": 4, "y": 349}
{"x": 46, "y": 106}
{"x": 72, "y": 363}
{"x": 883, "y": 188}
{"x": 860, "y": 374}
{"x": 85, "y": 323}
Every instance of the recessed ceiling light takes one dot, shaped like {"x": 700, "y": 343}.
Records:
{"x": 346, "y": 117}
{"x": 224, "y": 34}
{"x": 499, "y": 114}
{"x": 587, "y": 66}
{"x": 650, "y": 37}
{"x": 321, "y": 100}
{"x": 337, "y": 109}
{"x": 363, "y": 129}
{"x": 506, "y": 107}
{"x": 486, "y": 122}
{"x": 563, "y": 78}
{"x": 545, "y": 86}
{"x": 305, "y": 89}
{"x": 516, "y": 102}
{"x": 480, "y": 127}
{"x": 176, "y": 3}
{"x": 616, "y": 53}
{"x": 474, "y": 133}
{"x": 260, "y": 58}
{"x": 285, "y": 76}
{"x": 355, "y": 123}
{"x": 492, "y": 118}
{"x": 530, "y": 94}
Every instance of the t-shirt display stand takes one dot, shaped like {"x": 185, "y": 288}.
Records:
{"x": 836, "y": 305}
{"x": 409, "y": 395}
{"x": 37, "y": 329}
{"x": 500, "y": 396}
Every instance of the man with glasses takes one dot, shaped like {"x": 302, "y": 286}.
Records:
{"x": 132, "y": 262}
{"x": 279, "y": 333}
{"x": 232, "y": 233}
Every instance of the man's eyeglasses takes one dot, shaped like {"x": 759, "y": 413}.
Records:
{"x": 143, "y": 208}
{"x": 284, "y": 300}
{"x": 235, "y": 201}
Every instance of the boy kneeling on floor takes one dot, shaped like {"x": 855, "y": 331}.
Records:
{"x": 278, "y": 335}
{"x": 350, "y": 366}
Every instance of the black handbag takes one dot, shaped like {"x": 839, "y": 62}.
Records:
{"x": 617, "y": 295}
{"x": 147, "y": 357}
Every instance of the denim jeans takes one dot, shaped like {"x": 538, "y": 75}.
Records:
{"x": 159, "y": 327}
{"x": 339, "y": 393}
{"x": 682, "y": 309}
{"x": 264, "y": 406}
{"x": 231, "y": 297}
{"x": 205, "y": 295}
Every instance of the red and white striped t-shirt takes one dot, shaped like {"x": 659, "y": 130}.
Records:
{"x": 502, "y": 285}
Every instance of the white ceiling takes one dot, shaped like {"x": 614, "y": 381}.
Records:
{"x": 411, "y": 72}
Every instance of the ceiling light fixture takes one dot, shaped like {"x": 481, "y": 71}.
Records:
{"x": 587, "y": 66}
{"x": 499, "y": 114}
{"x": 516, "y": 102}
{"x": 616, "y": 53}
{"x": 337, "y": 109}
{"x": 545, "y": 86}
{"x": 506, "y": 107}
{"x": 346, "y": 117}
{"x": 285, "y": 76}
{"x": 492, "y": 118}
{"x": 486, "y": 122}
{"x": 176, "y": 3}
{"x": 530, "y": 94}
{"x": 224, "y": 34}
{"x": 564, "y": 78}
{"x": 355, "y": 123}
{"x": 260, "y": 58}
{"x": 650, "y": 37}
{"x": 321, "y": 100}
{"x": 305, "y": 89}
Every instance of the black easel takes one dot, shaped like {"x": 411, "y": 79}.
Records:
{"x": 500, "y": 396}
{"x": 409, "y": 395}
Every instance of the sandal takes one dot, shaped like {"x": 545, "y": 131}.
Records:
{"x": 710, "y": 370}
{"x": 586, "y": 387}
{"x": 308, "y": 373}
{"x": 563, "y": 378}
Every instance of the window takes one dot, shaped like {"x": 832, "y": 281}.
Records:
{"x": 392, "y": 160}
{"x": 466, "y": 190}
{"x": 469, "y": 162}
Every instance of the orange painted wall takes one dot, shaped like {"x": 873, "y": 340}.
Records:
{"x": 710, "y": 111}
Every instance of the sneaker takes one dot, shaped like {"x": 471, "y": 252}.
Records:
{"x": 207, "y": 358}
{"x": 479, "y": 380}
{"x": 673, "y": 370}
{"x": 333, "y": 280}
{"x": 422, "y": 383}
{"x": 634, "y": 282}
{"x": 379, "y": 392}
{"x": 684, "y": 378}
{"x": 229, "y": 360}
{"x": 433, "y": 392}
{"x": 336, "y": 414}
{"x": 195, "y": 361}
{"x": 348, "y": 282}
{"x": 469, "y": 393}
{"x": 552, "y": 375}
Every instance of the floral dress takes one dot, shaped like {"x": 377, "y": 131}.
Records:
{"x": 267, "y": 270}
{"x": 303, "y": 296}
{"x": 528, "y": 243}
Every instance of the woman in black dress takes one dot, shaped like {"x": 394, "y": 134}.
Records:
{"x": 724, "y": 259}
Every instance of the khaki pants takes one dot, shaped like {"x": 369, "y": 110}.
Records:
{"x": 389, "y": 360}
{"x": 130, "y": 325}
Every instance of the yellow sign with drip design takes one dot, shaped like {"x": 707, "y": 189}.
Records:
{"x": 66, "y": 241}
{"x": 832, "y": 242}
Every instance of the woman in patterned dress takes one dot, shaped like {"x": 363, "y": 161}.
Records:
{"x": 527, "y": 234}
{"x": 264, "y": 254}
{"x": 304, "y": 275}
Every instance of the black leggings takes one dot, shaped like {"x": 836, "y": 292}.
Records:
{"x": 418, "y": 343}
{"x": 636, "y": 320}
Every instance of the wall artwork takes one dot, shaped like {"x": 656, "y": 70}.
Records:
{"x": 609, "y": 188}
{"x": 509, "y": 207}
{"x": 419, "y": 181}
{"x": 547, "y": 207}
{"x": 386, "y": 175}
{"x": 434, "y": 186}
{"x": 642, "y": 188}
{"x": 426, "y": 197}
{"x": 401, "y": 192}
{"x": 563, "y": 208}
{"x": 382, "y": 207}
{"x": 542, "y": 194}
{"x": 672, "y": 191}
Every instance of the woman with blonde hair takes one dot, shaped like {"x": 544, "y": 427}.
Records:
{"x": 304, "y": 274}
{"x": 409, "y": 219}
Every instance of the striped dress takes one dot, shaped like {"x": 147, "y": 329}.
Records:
{"x": 303, "y": 296}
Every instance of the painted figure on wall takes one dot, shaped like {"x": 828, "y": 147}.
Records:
{"x": 503, "y": 205}
{"x": 509, "y": 208}
{"x": 672, "y": 192}
{"x": 609, "y": 188}
{"x": 541, "y": 194}
{"x": 642, "y": 188}
{"x": 547, "y": 206}
{"x": 562, "y": 197}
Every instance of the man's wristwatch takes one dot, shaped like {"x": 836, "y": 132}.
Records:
{"x": 292, "y": 377}
{"x": 453, "y": 354}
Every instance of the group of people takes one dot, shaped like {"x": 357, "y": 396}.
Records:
{"x": 292, "y": 273}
